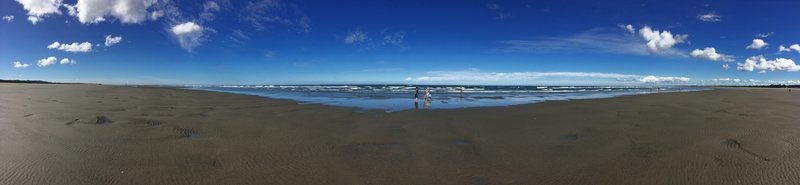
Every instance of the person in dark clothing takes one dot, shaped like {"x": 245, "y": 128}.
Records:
{"x": 416, "y": 94}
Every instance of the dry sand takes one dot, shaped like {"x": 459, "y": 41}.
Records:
{"x": 93, "y": 134}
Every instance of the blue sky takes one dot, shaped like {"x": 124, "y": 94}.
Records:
{"x": 405, "y": 42}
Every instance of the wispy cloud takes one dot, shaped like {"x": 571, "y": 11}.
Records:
{"x": 382, "y": 69}
{"x": 475, "y": 76}
{"x": 765, "y": 35}
{"x": 709, "y": 17}
{"x": 263, "y": 12}
{"x": 396, "y": 38}
{"x": 602, "y": 40}
{"x": 356, "y": 37}
{"x": 498, "y": 10}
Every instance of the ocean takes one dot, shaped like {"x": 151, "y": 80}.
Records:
{"x": 401, "y": 97}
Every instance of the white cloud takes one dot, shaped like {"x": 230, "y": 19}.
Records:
{"x": 795, "y": 47}
{"x": 46, "y": 61}
{"x": 475, "y": 76}
{"x": 757, "y": 44}
{"x": 189, "y": 35}
{"x": 18, "y": 64}
{"x": 126, "y": 11}
{"x": 709, "y": 17}
{"x": 8, "y": 18}
{"x": 658, "y": 41}
{"x": 765, "y": 35}
{"x": 356, "y": 37}
{"x": 110, "y": 41}
{"x": 629, "y": 28}
{"x": 395, "y": 39}
{"x": 721, "y": 79}
{"x": 72, "y": 10}
{"x": 710, "y": 54}
{"x": 783, "y": 49}
{"x": 659, "y": 79}
{"x": 38, "y": 9}
{"x": 762, "y": 64}
{"x": 74, "y": 47}
{"x": 34, "y": 20}
{"x": 67, "y": 61}
{"x": 726, "y": 66}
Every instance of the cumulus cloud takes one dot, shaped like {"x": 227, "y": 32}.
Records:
{"x": 38, "y": 9}
{"x": 795, "y": 47}
{"x": 356, "y": 37}
{"x": 658, "y": 41}
{"x": 660, "y": 79}
{"x": 74, "y": 47}
{"x": 726, "y": 66}
{"x": 757, "y": 44}
{"x": 762, "y": 64}
{"x": 18, "y": 64}
{"x": 8, "y": 18}
{"x": 709, "y": 17}
{"x": 46, "y": 61}
{"x": 111, "y": 40}
{"x": 710, "y": 53}
{"x": 67, "y": 61}
{"x": 189, "y": 35}
{"x": 126, "y": 11}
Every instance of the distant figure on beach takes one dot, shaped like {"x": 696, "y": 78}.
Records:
{"x": 428, "y": 94}
{"x": 416, "y": 94}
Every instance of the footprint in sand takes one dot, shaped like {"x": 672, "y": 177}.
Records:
{"x": 103, "y": 120}
{"x": 734, "y": 144}
{"x": 72, "y": 122}
{"x": 567, "y": 139}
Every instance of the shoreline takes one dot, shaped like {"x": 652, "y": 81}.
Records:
{"x": 389, "y": 101}
{"x": 54, "y": 134}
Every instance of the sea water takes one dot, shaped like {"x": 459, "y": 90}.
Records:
{"x": 401, "y": 97}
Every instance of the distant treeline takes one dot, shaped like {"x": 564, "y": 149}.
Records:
{"x": 768, "y": 86}
{"x": 25, "y": 81}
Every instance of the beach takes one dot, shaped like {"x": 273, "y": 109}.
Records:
{"x": 104, "y": 134}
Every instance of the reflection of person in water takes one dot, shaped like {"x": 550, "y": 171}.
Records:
{"x": 416, "y": 105}
{"x": 427, "y": 103}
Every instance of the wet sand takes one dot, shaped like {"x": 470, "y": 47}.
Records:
{"x": 93, "y": 134}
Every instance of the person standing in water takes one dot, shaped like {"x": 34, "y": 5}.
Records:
{"x": 416, "y": 94}
{"x": 428, "y": 94}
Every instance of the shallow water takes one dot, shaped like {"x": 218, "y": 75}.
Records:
{"x": 400, "y": 97}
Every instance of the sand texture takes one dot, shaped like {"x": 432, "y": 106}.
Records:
{"x": 96, "y": 134}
